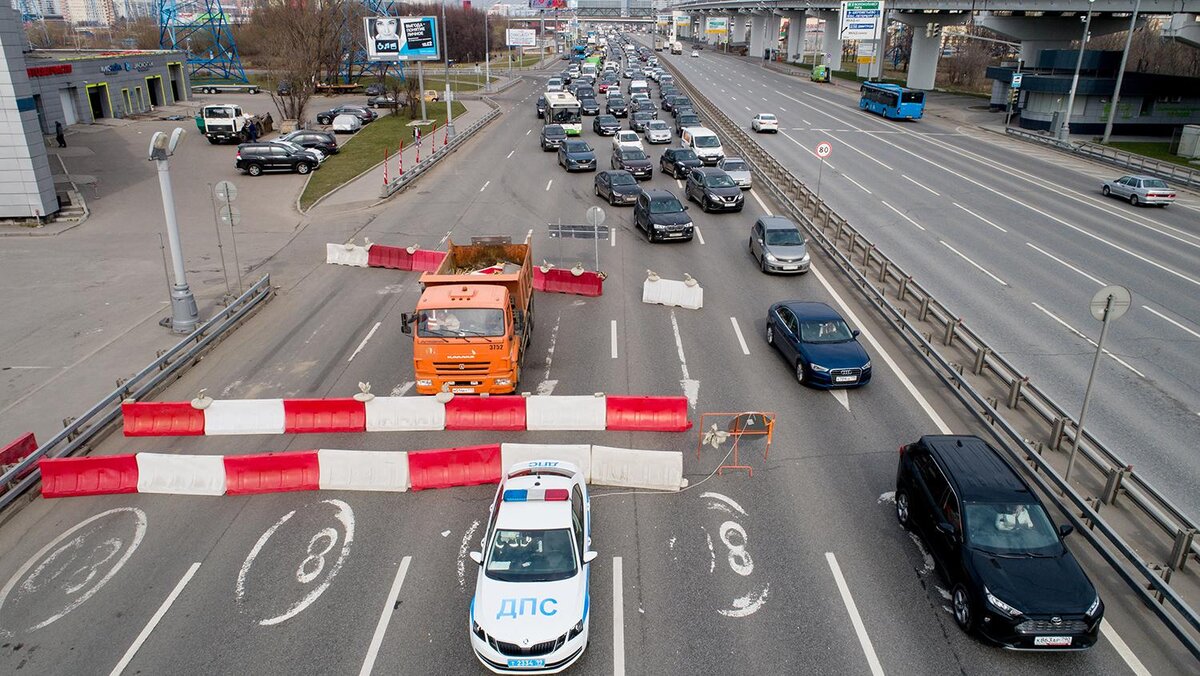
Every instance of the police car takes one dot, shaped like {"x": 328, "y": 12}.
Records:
{"x": 530, "y": 609}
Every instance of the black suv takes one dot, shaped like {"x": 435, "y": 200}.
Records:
{"x": 553, "y": 136}
{"x": 255, "y": 158}
{"x": 616, "y": 106}
{"x": 676, "y": 162}
{"x": 662, "y": 216}
{"x": 365, "y": 114}
{"x": 309, "y": 138}
{"x": 686, "y": 120}
{"x": 1013, "y": 579}
{"x": 589, "y": 106}
{"x": 606, "y": 125}
{"x": 633, "y": 160}
{"x": 713, "y": 190}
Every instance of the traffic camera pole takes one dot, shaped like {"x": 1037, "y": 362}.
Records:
{"x": 450, "y": 133}
{"x": 184, "y": 315}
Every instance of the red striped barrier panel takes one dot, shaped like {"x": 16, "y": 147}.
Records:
{"x": 444, "y": 468}
{"x": 310, "y": 416}
{"x": 556, "y": 280}
{"x": 391, "y": 257}
{"x": 501, "y": 413}
{"x": 18, "y": 450}
{"x": 425, "y": 260}
{"x": 646, "y": 414}
{"x": 162, "y": 419}
{"x": 272, "y": 473}
{"x": 77, "y": 477}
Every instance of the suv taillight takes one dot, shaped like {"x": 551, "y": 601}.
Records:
{"x": 239, "y": 155}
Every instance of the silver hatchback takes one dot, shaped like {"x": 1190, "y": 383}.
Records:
{"x": 779, "y": 246}
{"x": 1140, "y": 190}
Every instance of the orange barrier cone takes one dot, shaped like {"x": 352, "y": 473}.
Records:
{"x": 385, "y": 161}
{"x": 400, "y": 154}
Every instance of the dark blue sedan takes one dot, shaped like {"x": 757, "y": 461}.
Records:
{"x": 818, "y": 343}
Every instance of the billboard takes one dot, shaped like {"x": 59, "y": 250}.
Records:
{"x": 402, "y": 38}
{"x": 682, "y": 20}
{"x": 716, "y": 25}
{"x": 663, "y": 20}
{"x": 861, "y": 20}
{"x": 547, "y": 4}
{"x": 520, "y": 37}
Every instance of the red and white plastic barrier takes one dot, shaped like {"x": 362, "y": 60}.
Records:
{"x": 18, "y": 449}
{"x": 328, "y": 469}
{"x": 406, "y": 414}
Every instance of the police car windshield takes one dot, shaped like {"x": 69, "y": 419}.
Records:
{"x": 532, "y": 556}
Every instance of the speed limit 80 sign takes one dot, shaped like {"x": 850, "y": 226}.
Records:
{"x": 824, "y": 149}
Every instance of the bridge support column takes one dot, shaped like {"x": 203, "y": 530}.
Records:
{"x": 771, "y": 38}
{"x": 737, "y": 28}
{"x": 831, "y": 44}
{"x": 758, "y": 33}
{"x": 795, "y": 41}
{"x": 923, "y": 61}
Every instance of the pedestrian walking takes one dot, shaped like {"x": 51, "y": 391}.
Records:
{"x": 58, "y": 135}
{"x": 252, "y": 131}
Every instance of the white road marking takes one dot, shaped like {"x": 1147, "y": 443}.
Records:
{"x": 902, "y": 215}
{"x": 1079, "y": 333}
{"x": 760, "y": 202}
{"x": 746, "y": 107}
{"x": 461, "y": 564}
{"x": 402, "y": 389}
{"x": 806, "y": 122}
{"x": 154, "y": 620}
{"x": 679, "y": 183}
{"x": 859, "y": 629}
{"x": 781, "y": 108}
{"x": 861, "y": 186}
{"x": 887, "y": 358}
{"x": 613, "y": 336}
{"x": 618, "y": 619}
{"x": 389, "y": 606}
{"x": 979, "y": 217}
{"x": 510, "y": 154}
{"x": 1059, "y": 260}
{"x": 699, "y": 235}
{"x": 738, "y": 331}
{"x": 364, "y": 342}
{"x": 548, "y": 184}
{"x": 915, "y": 182}
{"x": 691, "y": 388}
{"x": 1122, "y": 648}
{"x": 865, "y": 154}
{"x": 977, "y": 265}
{"x": 529, "y": 132}
{"x": 842, "y": 397}
{"x": 1147, "y": 307}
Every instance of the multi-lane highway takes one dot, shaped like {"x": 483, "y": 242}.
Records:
{"x": 1017, "y": 240}
{"x": 824, "y": 580}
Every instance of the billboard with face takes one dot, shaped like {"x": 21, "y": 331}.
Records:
{"x": 402, "y": 38}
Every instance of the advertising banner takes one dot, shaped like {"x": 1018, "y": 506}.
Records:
{"x": 716, "y": 25}
{"x": 663, "y": 20}
{"x": 547, "y": 4}
{"x": 402, "y": 38}
{"x": 520, "y": 37}
{"x": 861, "y": 19}
{"x": 682, "y": 20}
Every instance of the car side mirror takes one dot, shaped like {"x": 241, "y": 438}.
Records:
{"x": 1065, "y": 529}
{"x": 588, "y": 557}
{"x": 947, "y": 528}
{"x": 477, "y": 557}
{"x": 404, "y": 325}
{"x": 686, "y": 208}
{"x": 855, "y": 333}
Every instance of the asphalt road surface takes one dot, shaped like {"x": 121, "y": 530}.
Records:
{"x": 824, "y": 581}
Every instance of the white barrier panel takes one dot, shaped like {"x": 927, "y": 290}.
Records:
{"x": 405, "y": 414}
{"x": 579, "y": 455}
{"x": 632, "y": 468}
{"x": 672, "y": 292}
{"x": 181, "y": 474}
{"x": 543, "y": 412}
{"x": 339, "y": 254}
{"x": 244, "y": 416}
{"x": 363, "y": 470}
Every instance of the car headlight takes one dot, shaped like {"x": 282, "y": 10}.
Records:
{"x": 806, "y": 259}
{"x": 1094, "y": 607}
{"x": 425, "y": 383}
{"x": 576, "y": 630}
{"x": 504, "y": 381}
{"x": 478, "y": 630}
{"x": 688, "y": 224}
{"x": 772, "y": 258}
{"x": 867, "y": 366}
{"x": 1001, "y": 605}
{"x": 713, "y": 195}
{"x": 818, "y": 368}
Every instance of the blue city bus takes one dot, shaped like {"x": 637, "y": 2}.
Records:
{"x": 892, "y": 101}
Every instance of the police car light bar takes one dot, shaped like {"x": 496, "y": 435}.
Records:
{"x": 536, "y": 494}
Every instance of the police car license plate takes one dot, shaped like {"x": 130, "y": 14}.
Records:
{"x": 462, "y": 390}
{"x": 845, "y": 379}
{"x": 526, "y": 663}
{"x": 1052, "y": 640}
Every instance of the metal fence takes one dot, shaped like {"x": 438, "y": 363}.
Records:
{"x": 1126, "y": 160}
{"x": 82, "y": 432}
{"x": 397, "y": 184}
{"x": 1022, "y": 418}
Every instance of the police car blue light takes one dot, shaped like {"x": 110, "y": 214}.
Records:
{"x": 530, "y": 609}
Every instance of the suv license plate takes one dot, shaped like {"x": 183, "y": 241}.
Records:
{"x": 845, "y": 379}
{"x": 526, "y": 663}
{"x": 1052, "y": 640}
{"x": 675, "y": 234}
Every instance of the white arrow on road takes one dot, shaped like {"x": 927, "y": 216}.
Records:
{"x": 843, "y": 398}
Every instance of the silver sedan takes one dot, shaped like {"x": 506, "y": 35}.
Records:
{"x": 1140, "y": 190}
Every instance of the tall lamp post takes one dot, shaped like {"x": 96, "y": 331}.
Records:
{"x": 450, "y": 133}
{"x": 184, "y": 315}
{"x": 487, "y": 54}
{"x": 1112, "y": 110}
{"x": 1065, "y": 130}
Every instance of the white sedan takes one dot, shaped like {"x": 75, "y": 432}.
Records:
{"x": 695, "y": 54}
{"x": 530, "y": 609}
{"x": 627, "y": 138}
{"x": 765, "y": 122}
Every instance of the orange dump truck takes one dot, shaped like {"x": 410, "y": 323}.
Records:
{"x": 474, "y": 319}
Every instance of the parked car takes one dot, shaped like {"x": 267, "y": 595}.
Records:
{"x": 662, "y": 216}
{"x": 589, "y": 107}
{"x": 284, "y": 88}
{"x": 575, "y": 155}
{"x": 366, "y": 115}
{"x": 816, "y": 342}
{"x": 311, "y": 138}
{"x": 632, "y": 160}
{"x": 658, "y": 131}
{"x": 627, "y": 138}
{"x": 1012, "y": 578}
{"x": 618, "y": 187}
{"x": 676, "y": 162}
{"x": 778, "y": 246}
{"x": 374, "y": 89}
{"x": 764, "y": 122}
{"x": 552, "y": 136}
{"x": 432, "y": 96}
{"x": 606, "y": 125}
{"x": 346, "y": 123}
{"x": 713, "y": 190}
{"x": 1140, "y": 189}
{"x": 255, "y": 158}
{"x": 540, "y": 105}
{"x": 738, "y": 170}
{"x": 383, "y": 101}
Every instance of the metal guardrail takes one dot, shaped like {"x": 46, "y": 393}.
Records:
{"x": 982, "y": 380}
{"x": 1121, "y": 158}
{"x": 94, "y": 424}
{"x": 400, "y": 182}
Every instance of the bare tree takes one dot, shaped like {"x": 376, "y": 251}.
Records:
{"x": 298, "y": 43}
{"x": 1150, "y": 52}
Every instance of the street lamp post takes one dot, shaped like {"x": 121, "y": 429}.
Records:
{"x": 1065, "y": 130}
{"x": 1112, "y": 109}
{"x": 487, "y": 54}
{"x": 450, "y": 133}
{"x": 184, "y": 315}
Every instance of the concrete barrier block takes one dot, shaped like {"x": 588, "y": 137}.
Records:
{"x": 672, "y": 292}
{"x": 635, "y": 468}
{"x": 245, "y": 416}
{"x": 181, "y": 474}
{"x": 363, "y": 470}
{"x": 405, "y": 414}
{"x": 342, "y": 254}
{"x": 545, "y": 412}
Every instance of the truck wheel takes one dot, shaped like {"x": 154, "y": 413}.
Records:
{"x": 303, "y": 168}
{"x": 254, "y": 169}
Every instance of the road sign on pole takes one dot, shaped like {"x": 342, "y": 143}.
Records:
{"x": 1108, "y": 304}
{"x": 824, "y": 149}
{"x": 225, "y": 192}
{"x": 1016, "y": 80}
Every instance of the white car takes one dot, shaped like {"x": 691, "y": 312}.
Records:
{"x": 530, "y": 609}
{"x": 765, "y": 122}
{"x": 555, "y": 84}
{"x": 629, "y": 138}
{"x": 346, "y": 124}
{"x": 738, "y": 170}
{"x": 658, "y": 131}
{"x": 695, "y": 54}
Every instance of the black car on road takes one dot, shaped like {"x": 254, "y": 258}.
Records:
{"x": 662, "y": 216}
{"x": 713, "y": 190}
{"x": 616, "y": 106}
{"x": 1012, "y": 578}
{"x": 606, "y": 125}
{"x": 255, "y": 158}
{"x": 575, "y": 155}
{"x": 311, "y": 138}
{"x": 639, "y": 119}
{"x": 541, "y": 106}
{"x": 589, "y": 107}
{"x": 633, "y": 160}
{"x": 676, "y": 162}
{"x": 553, "y": 136}
{"x": 618, "y": 187}
{"x": 668, "y": 100}
{"x": 366, "y": 115}
{"x": 686, "y": 120}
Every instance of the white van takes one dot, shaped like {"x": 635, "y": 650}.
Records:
{"x": 636, "y": 86}
{"x": 704, "y": 142}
